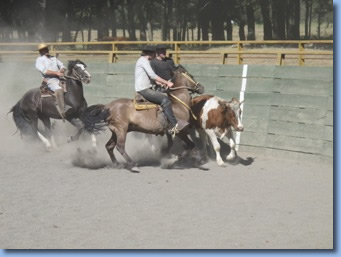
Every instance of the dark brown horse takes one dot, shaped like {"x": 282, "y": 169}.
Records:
{"x": 32, "y": 106}
{"x": 121, "y": 117}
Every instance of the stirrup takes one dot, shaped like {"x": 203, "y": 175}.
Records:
{"x": 173, "y": 131}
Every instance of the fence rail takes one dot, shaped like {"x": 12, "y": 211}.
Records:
{"x": 236, "y": 49}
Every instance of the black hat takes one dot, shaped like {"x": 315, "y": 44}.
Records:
{"x": 148, "y": 48}
{"x": 162, "y": 46}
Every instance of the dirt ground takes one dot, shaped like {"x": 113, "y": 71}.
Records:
{"x": 47, "y": 201}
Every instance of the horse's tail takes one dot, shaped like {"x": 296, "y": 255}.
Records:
{"x": 94, "y": 118}
{"x": 22, "y": 122}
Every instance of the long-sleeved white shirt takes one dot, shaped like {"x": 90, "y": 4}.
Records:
{"x": 44, "y": 63}
{"x": 143, "y": 74}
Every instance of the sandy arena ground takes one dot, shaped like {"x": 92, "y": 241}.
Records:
{"x": 46, "y": 202}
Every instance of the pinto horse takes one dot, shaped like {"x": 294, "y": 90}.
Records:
{"x": 33, "y": 107}
{"x": 121, "y": 117}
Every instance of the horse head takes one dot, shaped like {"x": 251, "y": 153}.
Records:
{"x": 233, "y": 113}
{"x": 189, "y": 81}
{"x": 77, "y": 69}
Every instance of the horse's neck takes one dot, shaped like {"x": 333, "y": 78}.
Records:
{"x": 74, "y": 90}
{"x": 181, "y": 93}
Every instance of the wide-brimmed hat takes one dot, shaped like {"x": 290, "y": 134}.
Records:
{"x": 42, "y": 46}
{"x": 161, "y": 46}
{"x": 148, "y": 48}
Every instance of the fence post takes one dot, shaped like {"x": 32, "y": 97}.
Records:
{"x": 176, "y": 48}
{"x": 301, "y": 55}
{"x": 239, "y": 55}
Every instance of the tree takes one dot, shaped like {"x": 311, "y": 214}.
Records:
{"x": 217, "y": 20}
{"x": 251, "y": 31}
{"x": 278, "y": 19}
{"x": 293, "y": 19}
{"x": 267, "y": 26}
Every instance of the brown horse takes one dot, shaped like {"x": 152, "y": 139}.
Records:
{"x": 121, "y": 117}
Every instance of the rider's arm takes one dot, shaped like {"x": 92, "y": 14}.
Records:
{"x": 61, "y": 66}
{"x": 152, "y": 75}
{"x": 41, "y": 67}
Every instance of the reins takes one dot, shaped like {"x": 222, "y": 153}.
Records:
{"x": 184, "y": 104}
{"x": 188, "y": 88}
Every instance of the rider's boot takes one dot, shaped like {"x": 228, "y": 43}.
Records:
{"x": 178, "y": 127}
{"x": 60, "y": 103}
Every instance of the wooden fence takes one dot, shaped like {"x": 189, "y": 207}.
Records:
{"x": 300, "y": 49}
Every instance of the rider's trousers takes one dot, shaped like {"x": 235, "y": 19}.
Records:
{"x": 161, "y": 99}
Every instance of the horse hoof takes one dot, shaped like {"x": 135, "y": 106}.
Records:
{"x": 135, "y": 169}
{"x": 222, "y": 164}
{"x": 204, "y": 167}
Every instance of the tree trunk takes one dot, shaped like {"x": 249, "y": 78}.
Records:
{"x": 131, "y": 21}
{"x": 242, "y": 22}
{"x": 310, "y": 18}
{"x": 204, "y": 18}
{"x": 267, "y": 26}
{"x": 293, "y": 20}
{"x": 241, "y": 30}
{"x": 142, "y": 20}
{"x": 113, "y": 21}
{"x": 124, "y": 20}
{"x": 89, "y": 26}
{"x": 229, "y": 28}
{"x": 169, "y": 15}
{"x": 251, "y": 33}
{"x": 101, "y": 18}
{"x": 164, "y": 21}
{"x": 149, "y": 18}
{"x": 217, "y": 20}
{"x": 278, "y": 19}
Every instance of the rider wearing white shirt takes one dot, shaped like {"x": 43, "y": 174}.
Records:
{"x": 52, "y": 70}
{"x": 144, "y": 77}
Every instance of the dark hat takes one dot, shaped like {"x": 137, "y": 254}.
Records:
{"x": 162, "y": 46}
{"x": 148, "y": 48}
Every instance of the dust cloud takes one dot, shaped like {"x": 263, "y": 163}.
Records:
{"x": 79, "y": 153}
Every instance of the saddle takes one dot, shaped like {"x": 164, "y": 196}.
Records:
{"x": 46, "y": 92}
{"x": 141, "y": 103}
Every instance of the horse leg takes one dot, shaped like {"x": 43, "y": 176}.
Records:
{"x": 203, "y": 137}
{"x": 231, "y": 139}
{"x": 79, "y": 125}
{"x": 110, "y": 146}
{"x": 121, "y": 140}
{"x": 34, "y": 123}
{"x": 169, "y": 145}
{"x": 216, "y": 146}
{"x": 48, "y": 131}
{"x": 189, "y": 145}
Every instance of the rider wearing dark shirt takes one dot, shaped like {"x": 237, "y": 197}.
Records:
{"x": 162, "y": 65}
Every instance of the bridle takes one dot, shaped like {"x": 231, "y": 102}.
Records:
{"x": 192, "y": 90}
{"x": 76, "y": 76}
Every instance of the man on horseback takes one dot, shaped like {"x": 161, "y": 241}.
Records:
{"x": 144, "y": 75}
{"x": 52, "y": 70}
{"x": 162, "y": 65}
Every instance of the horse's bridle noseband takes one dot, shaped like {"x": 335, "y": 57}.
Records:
{"x": 76, "y": 77}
